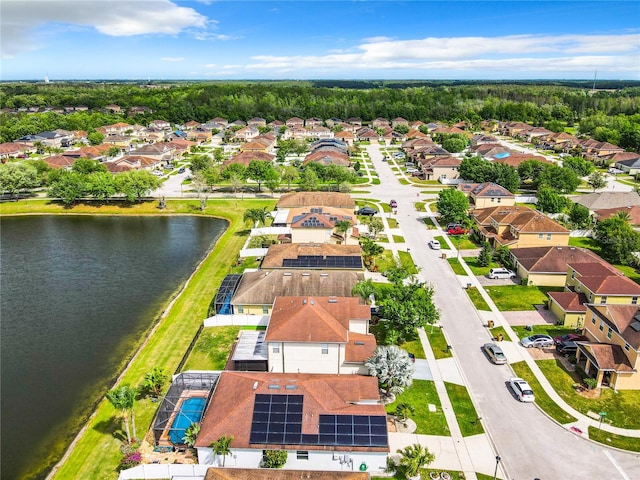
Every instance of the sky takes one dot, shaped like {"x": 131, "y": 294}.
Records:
{"x": 235, "y": 39}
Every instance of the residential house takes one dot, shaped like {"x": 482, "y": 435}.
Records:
{"x": 438, "y": 168}
{"x": 13, "y": 149}
{"x": 199, "y": 135}
{"x": 257, "y": 145}
{"x": 113, "y": 108}
{"x": 633, "y": 213}
{"x": 316, "y": 199}
{"x": 630, "y": 165}
{"x": 561, "y": 141}
{"x": 515, "y": 159}
{"x": 537, "y": 135}
{"x": 119, "y": 128}
{"x": 599, "y": 152}
{"x": 399, "y": 121}
{"x": 56, "y": 139}
{"x": 257, "y": 122}
{"x": 313, "y": 334}
{"x": 139, "y": 110}
{"x": 257, "y": 290}
{"x": 491, "y": 150}
{"x": 318, "y": 225}
{"x": 612, "y": 353}
{"x": 488, "y": 194}
{"x": 355, "y": 121}
{"x": 430, "y": 151}
{"x": 192, "y": 125}
{"x": 160, "y": 124}
{"x": 221, "y": 122}
{"x": 380, "y": 123}
{"x": 298, "y": 133}
{"x": 59, "y": 161}
{"x": 97, "y": 152}
{"x": 547, "y": 266}
{"x": 121, "y": 141}
{"x": 346, "y": 137}
{"x": 516, "y": 226}
{"x": 247, "y": 133}
{"x": 152, "y": 135}
{"x": 319, "y": 132}
{"x": 276, "y": 125}
{"x": 328, "y": 156}
{"x": 139, "y": 162}
{"x": 245, "y": 158}
{"x": 606, "y": 200}
{"x": 483, "y": 139}
{"x": 367, "y": 134}
{"x": 164, "y": 152}
{"x": 449, "y": 130}
{"x": 278, "y": 474}
{"x": 295, "y": 122}
{"x": 313, "y": 122}
{"x": 313, "y": 256}
{"x": 307, "y": 415}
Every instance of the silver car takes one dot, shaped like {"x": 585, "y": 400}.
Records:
{"x": 495, "y": 353}
{"x": 521, "y": 389}
{"x": 538, "y": 340}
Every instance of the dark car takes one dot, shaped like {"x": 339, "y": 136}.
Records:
{"x": 181, "y": 170}
{"x": 570, "y": 337}
{"x": 567, "y": 349}
{"x": 368, "y": 211}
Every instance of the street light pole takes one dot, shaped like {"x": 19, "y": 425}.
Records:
{"x": 495, "y": 473}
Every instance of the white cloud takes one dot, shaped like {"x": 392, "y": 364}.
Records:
{"x": 172, "y": 59}
{"x": 20, "y": 18}
{"x": 524, "y": 53}
{"x": 214, "y": 36}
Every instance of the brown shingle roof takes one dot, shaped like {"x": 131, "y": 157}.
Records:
{"x": 280, "y": 474}
{"x": 230, "y": 411}
{"x": 620, "y": 318}
{"x": 633, "y": 211}
{"x": 600, "y": 200}
{"x": 603, "y": 279}
{"x": 360, "y": 347}
{"x": 552, "y": 259}
{"x": 277, "y": 253}
{"x": 570, "y": 301}
{"x": 608, "y": 357}
{"x": 262, "y": 288}
{"x": 522, "y": 219}
{"x": 314, "y": 319}
{"x": 316, "y": 199}
{"x": 245, "y": 158}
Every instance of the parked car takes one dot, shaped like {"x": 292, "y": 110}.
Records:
{"x": 538, "y": 340}
{"x": 412, "y": 170}
{"x": 398, "y": 155}
{"x": 169, "y": 166}
{"x": 393, "y": 204}
{"x": 567, "y": 349}
{"x": 495, "y": 353}
{"x": 181, "y": 170}
{"x": 384, "y": 159}
{"x": 409, "y": 165}
{"x": 570, "y": 337}
{"x": 501, "y": 273}
{"x": 157, "y": 173}
{"x": 521, "y": 389}
{"x": 368, "y": 211}
{"x": 457, "y": 230}
{"x": 434, "y": 244}
{"x": 417, "y": 173}
{"x": 360, "y": 174}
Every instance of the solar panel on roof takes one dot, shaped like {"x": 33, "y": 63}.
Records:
{"x": 635, "y": 326}
{"x": 329, "y": 261}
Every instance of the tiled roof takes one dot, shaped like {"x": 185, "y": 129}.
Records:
{"x": 633, "y": 212}
{"x": 245, "y": 158}
{"x": 552, "y": 259}
{"x": 280, "y": 474}
{"x": 603, "y": 279}
{"x": 490, "y": 189}
{"x": 230, "y": 411}
{"x": 360, "y": 347}
{"x": 570, "y": 301}
{"x": 620, "y": 318}
{"x": 522, "y": 219}
{"x": 608, "y": 356}
{"x": 600, "y": 200}
{"x": 316, "y": 199}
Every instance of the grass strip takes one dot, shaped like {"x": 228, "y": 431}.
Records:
{"x": 614, "y": 440}
{"x": 476, "y": 299}
{"x": 212, "y": 348}
{"x": 173, "y": 333}
{"x": 420, "y": 394}
{"x": 443, "y": 243}
{"x": 456, "y": 266}
{"x": 543, "y": 400}
{"x": 438, "y": 342}
{"x": 466, "y": 414}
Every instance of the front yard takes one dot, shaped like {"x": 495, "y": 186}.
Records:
{"x": 518, "y": 297}
{"x": 420, "y": 394}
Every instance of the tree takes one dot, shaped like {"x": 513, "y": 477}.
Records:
{"x": 101, "y": 185}
{"x": 617, "y": 238}
{"x": 234, "y": 169}
{"x": 309, "y": 180}
{"x": 274, "y": 458}
{"x": 549, "y": 201}
{"x": 453, "y": 206}
{"x": 289, "y": 174}
{"x": 136, "y": 184}
{"x": 342, "y": 226}
{"x": 485, "y": 255}
{"x": 364, "y": 289}
{"x": 597, "y": 180}
{"x": 86, "y": 166}
{"x": 404, "y": 411}
{"x": 394, "y": 369}
{"x": 15, "y": 177}
{"x": 95, "y": 138}
{"x": 222, "y": 446}
{"x": 154, "y": 381}
{"x": 199, "y": 183}
{"x": 579, "y": 165}
{"x": 502, "y": 255}
{"x": 68, "y": 186}
{"x": 454, "y": 144}
{"x": 396, "y": 274}
{"x": 506, "y": 176}
{"x": 191, "y": 434}
{"x": 375, "y": 227}
{"x": 257, "y": 216}
{"x": 370, "y": 250}
{"x": 413, "y": 458}
{"x": 123, "y": 398}
{"x": 564, "y": 180}
{"x": 272, "y": 180}
{"x": 529, "y": 170}
{"x": 259, "y": 171}
{"x": 579, "y": 215}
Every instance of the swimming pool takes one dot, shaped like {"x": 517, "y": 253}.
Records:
{"x": 190, "y": 412}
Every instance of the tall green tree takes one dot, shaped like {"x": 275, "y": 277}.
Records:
{"x": 101, "y": 185}
{"x": 256, "y": 216}
{"x": 370, "y": 250}
{"x": 191, "y": 434}
{"x": 413, "y": 458}
{"x": 86, "y": 166}
{"x": 560, "y": 179}
{"x": 617, "y": 238}
{"x": 309, "y": 180}
{"x": 136, "y": 184}
{"x": 259, "y": 171}
{"x": 453, "y": 206}
{"x": 549, "y": 201}
{"x": 154, "y": 381}
{"x": 289, "y": 174}
{"x": 579, "y": 165}
{"x": 68, "y": 186}
{"x": 485, "y": 255}
{"x": 123, "y": 399}
{"x": 597, "y": 180}
{"x": 364, "y": 289}
{"x": 393, "y": 368}
{"x": 16, "y": 177}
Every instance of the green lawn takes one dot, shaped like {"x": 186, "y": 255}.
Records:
{"x": 543, "y": 400}
{"x": 456, "y": 266}
{"x": 585, "y": 242}
{"x": 249, "y": 262}
{"x": 443, "y": 243}
{"x": 518, "y": 297}
{"x": 403, "y": 181}
{"x": 415, "y": 347}
{"x": 630, "y": 272}
{"x": 212, "y": 349}
{"x": 621, "y": 407}
{"x": 465, "y": 411}
{"x": 495, "y": 331}
{"x": 477, "y": 299}
{"x": 428, "y": 221}
{"x": 462, "y": 242}
{"x": 477, "y": 269}
{"x": 398, "y": 238}
{"x": 393, "y": 223}
{"x": 613, "y": 440}
{"x": 406, "y": 261}
{"x": 419, "y": 206}
{"x": 420, "y": 394}
{"x": 438, "y": 342}
{"x": 385, "y": 261}
{"x": 171, "y": 337}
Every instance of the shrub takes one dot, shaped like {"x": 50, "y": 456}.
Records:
{"x": 573, "y": 360}
{"x": 130, "y": 460}
{"x": 274, "y": 458}
{"x": 590, "y": 382}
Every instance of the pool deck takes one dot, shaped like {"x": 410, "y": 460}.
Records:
{"x": 164, "y": 440}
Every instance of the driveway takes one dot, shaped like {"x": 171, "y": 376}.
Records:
{"x": 540, "y": 316}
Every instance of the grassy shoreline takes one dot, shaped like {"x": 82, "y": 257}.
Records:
{"x": 96, "y": 451}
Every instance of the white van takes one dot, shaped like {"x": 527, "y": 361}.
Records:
{"x": 501, "y": 273}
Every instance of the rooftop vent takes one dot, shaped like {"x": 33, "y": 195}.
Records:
{"x": 291, "y": 387}
{"x": 274, "y": 387}
{"x": 286, "y": 274}
{"x": 255, "y": 385}
{"x": 324, "y": 274}
{"x": 358, "y": 343}
{"x": 306, "y": 274}
{"x": 333, "y": 300}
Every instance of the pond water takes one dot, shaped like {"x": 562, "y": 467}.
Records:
{"x": 75, "y": 293}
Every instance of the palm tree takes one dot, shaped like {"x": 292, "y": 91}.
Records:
{"x": 122, "y": 398}
{"x": 364, "y": 289}
{"x": 154, "y": 381}
{"x": 191, "y": 434}
{"x": 256, "y": 215}
{"x": 342, "y": 227}
{"x": 413, "y": 458}
{"x": 221, "y": 447}
{"x": 623, "y": 215}
{"x": 403, "y": 411}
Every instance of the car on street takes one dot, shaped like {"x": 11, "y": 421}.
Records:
{"x": 567, "y": 349}
{"x": 495, "y": 353}
{"x": 181, "y": 170}
{"x": 538, "y": 340}
{"x": 434, "y": 244}
{"x": 570, "y": 337}
{"x": 393, "y": 204}
{"x": 501, "y": 273}
{"x": 157, "y": 173}
{"x": 368, "y": 211}
{"x": 521, "y": 389}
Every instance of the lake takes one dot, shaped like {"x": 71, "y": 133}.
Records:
{"x": 76, "y": 292}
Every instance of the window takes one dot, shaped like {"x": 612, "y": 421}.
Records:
{"x": 499, "y": 199}
{"x": 275, "y": 349}
{"x": 634, "y": 300}
{"x": 548, "y": 236}
{"x": 265, "y": 309}
{"x": 240, "y": 309}
{"x": 302, "y": 455}
{"x": 493, "y": 199}
{"x": 603, "y": 299}
{"x": 609, "y": 333}
{"x": 540, "y": 235}
{"x": 601, "y": 327}
{"x": 325, "y": 348}
{"x": 593, "y": 320}
{"x": 626, "y": 347}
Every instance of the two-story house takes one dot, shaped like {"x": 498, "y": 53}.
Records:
{"x": 321, "y": 225}
{"x": 486, "y": 195}
{"x": 313, "y": 334}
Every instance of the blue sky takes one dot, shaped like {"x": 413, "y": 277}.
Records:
{"x": 207, "y": 39}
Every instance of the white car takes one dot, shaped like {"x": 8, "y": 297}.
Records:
{"x": 521, "y": 389}
{"x": 501, "y": 273}
{"x": 434, "y": 244}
